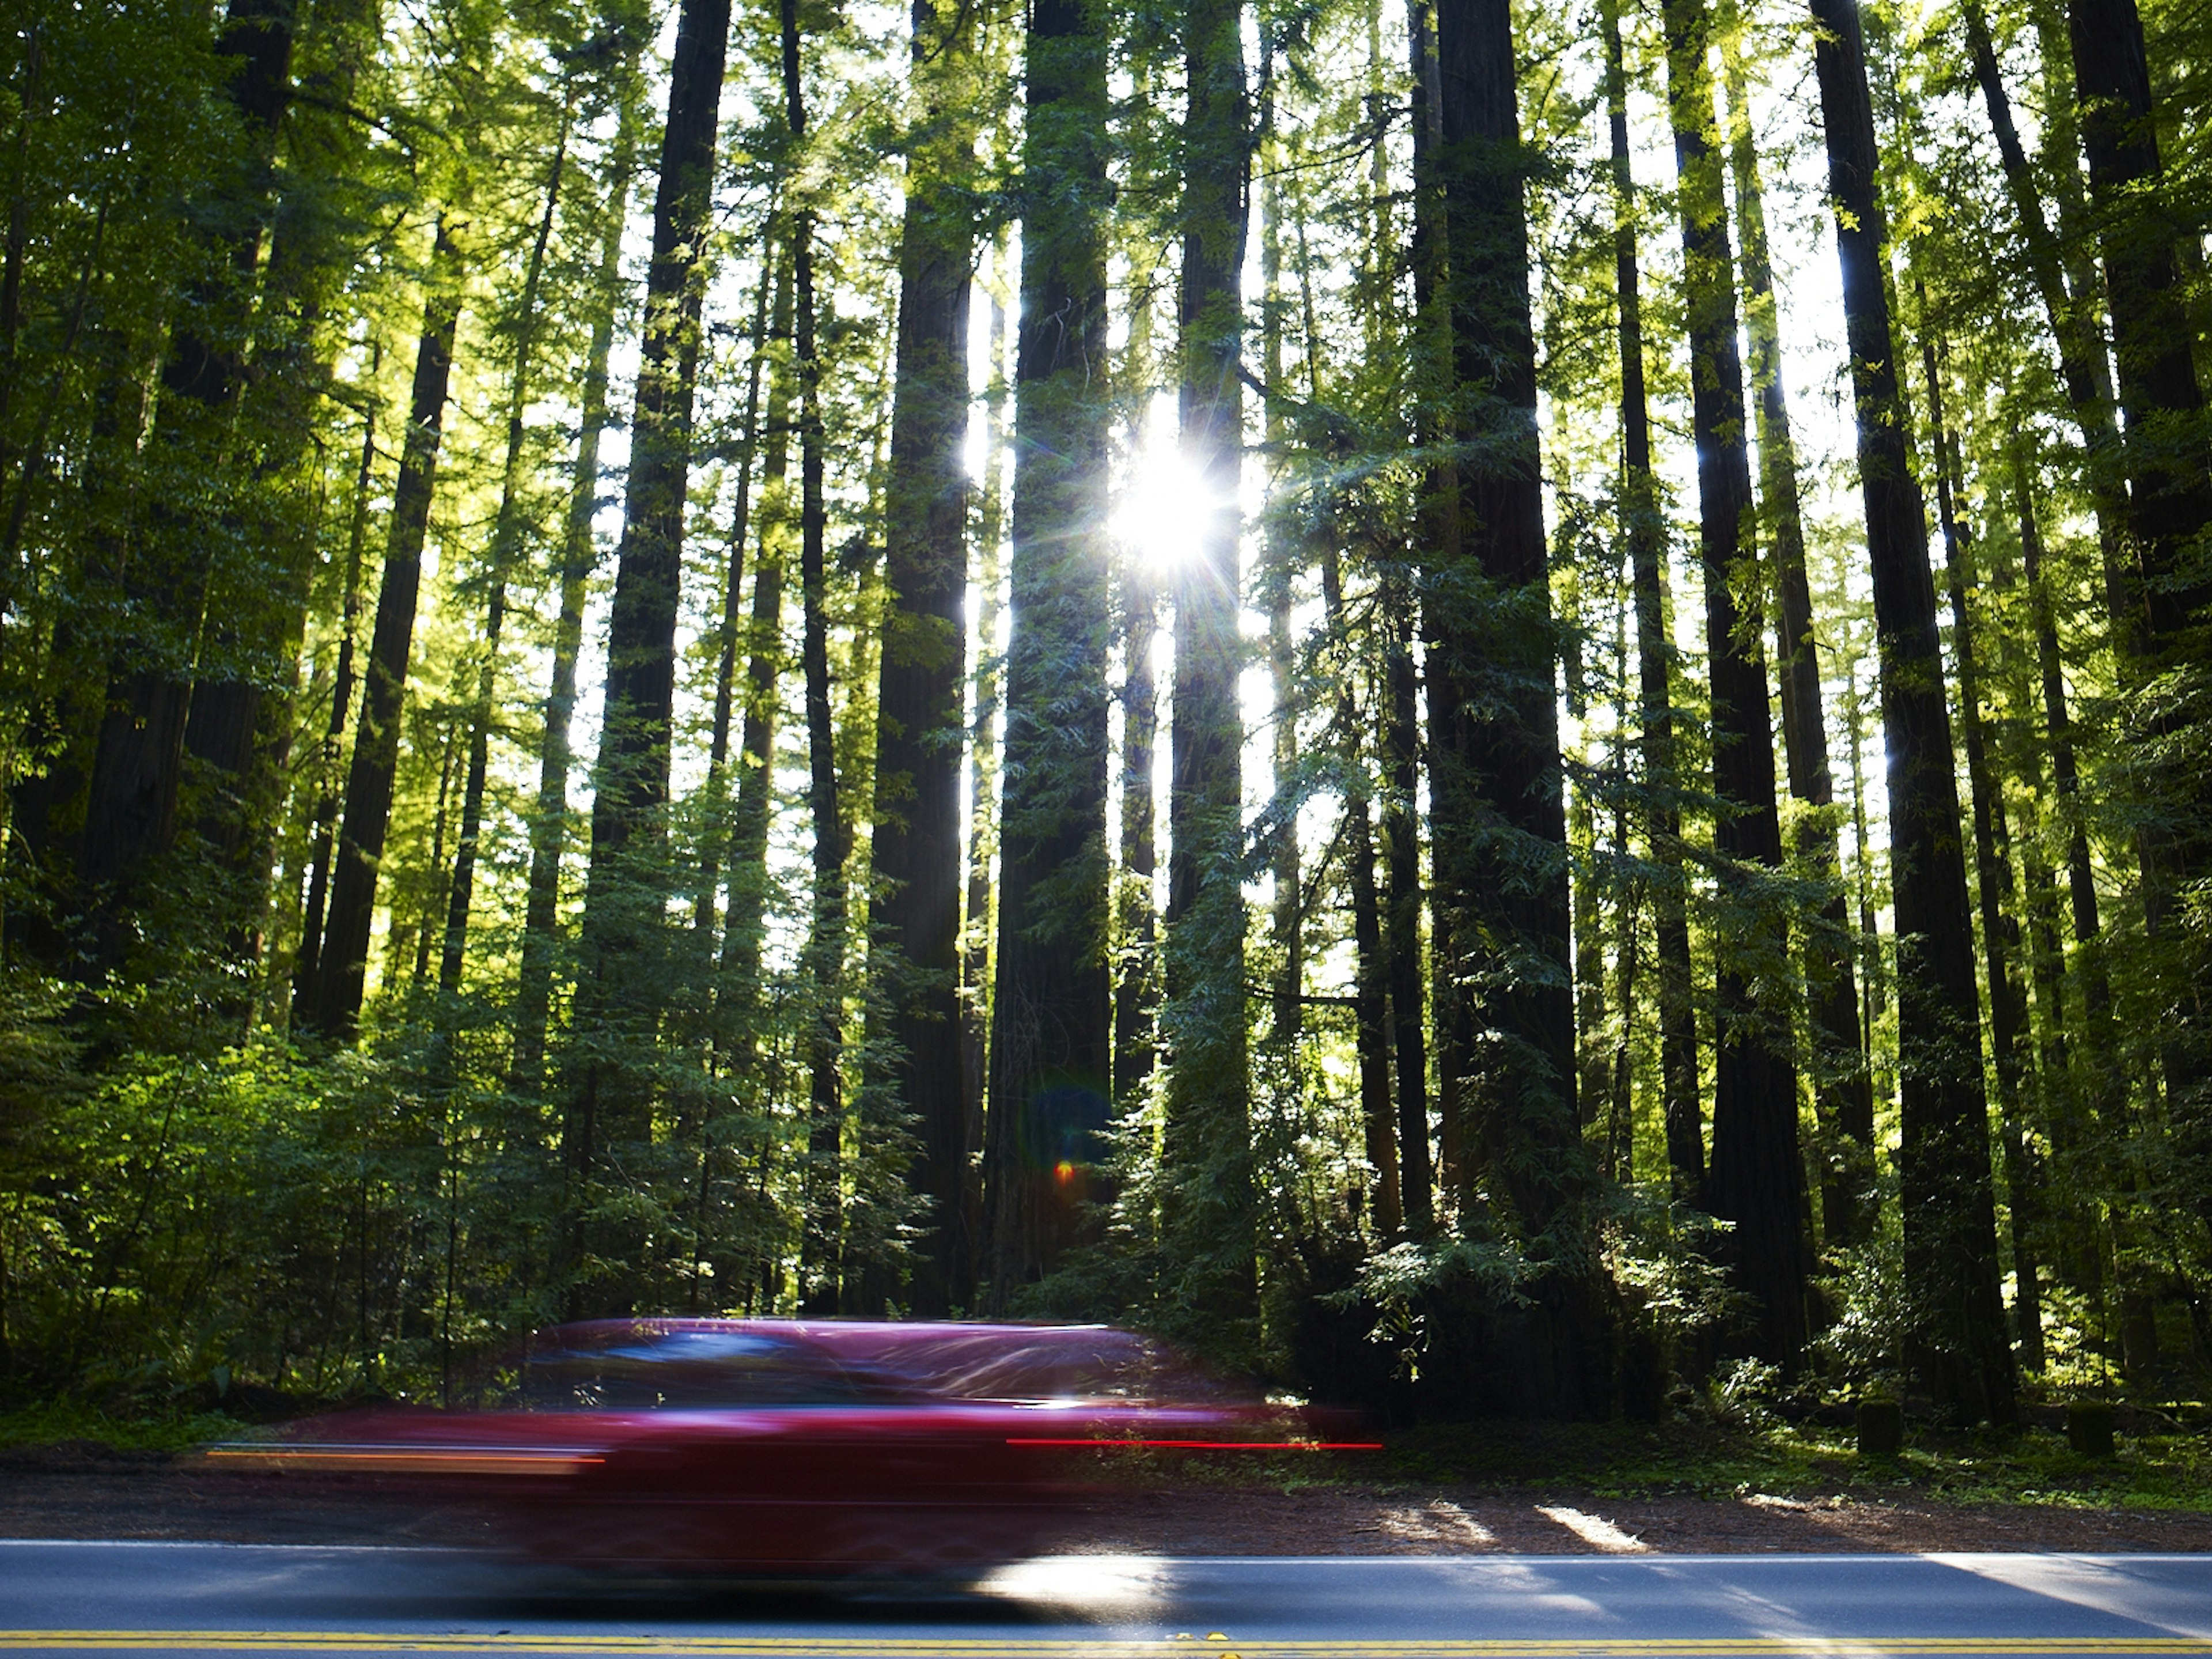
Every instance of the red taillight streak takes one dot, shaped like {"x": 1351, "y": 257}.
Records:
{"x": 1216, "y": 1445}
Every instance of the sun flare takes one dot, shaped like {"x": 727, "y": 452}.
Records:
{"x": 1165, "y": 510}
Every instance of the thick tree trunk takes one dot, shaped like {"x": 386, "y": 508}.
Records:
{"x": 1958, "y": 1343}
{"x": 1681, "y": 1103}
{"x": 1497, "y": 817}
{"x": 506, "y": 538}
{"x": 376, "y": 745}
{"x": 1206, "y": 1206}
{"x": 1437, "y": 534}
{"x": 548, "y": 823}
{"x": 1049, "y": 1038}
{"x": 620, "y": 987}
{"x": 2169, "y": 467}
{"x": 1757, "y": 1176}
{"x": 1843, "y": 1088}
{"x": 151, "y": 723}
{"x": 914, "y": 950}
{"x": 2007, "y": 1005}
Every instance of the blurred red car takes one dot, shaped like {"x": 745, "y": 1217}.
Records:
{"x": 799, "y": 1447}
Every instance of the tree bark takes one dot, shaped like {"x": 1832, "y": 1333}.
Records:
{"x": 1958, "y": 1344}
{"x": 620, "y": 987}
{"x": 1757, "y": 1176}
{"x": 307, "y": 969}
{"x": 1994, "y": 883}
{"x": 821, "y": 1236}
{"x": 713, "y": 833}
{"x": 138, "y": 766}
{"x": 1206, "y": 1207}
{"x": 548, "y": 823}
{"x": 1371, "y": 985}
{"x": 742, "y": 936}
{"x": 506, "y": 535}
{"x": 1501, "y": 879}
{"x": 2169, "y": 469}
{"x": 376, "y": 745}
{"x": 983, "y": 754}
{"x": 1279, "y": 574}
{"x": 1681, "y": 1101}
{"x": 1842, "y": 1087}
{"x": 1050, "y": 1039}
{"x": 2169, "y": 466}
{"x": 914, "y": 952}
{"x": 2083, "y": 368}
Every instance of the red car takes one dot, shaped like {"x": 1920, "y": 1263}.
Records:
{"x": 784, "y": 1447}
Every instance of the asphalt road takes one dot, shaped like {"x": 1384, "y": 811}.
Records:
{"x": 154, "y": 1599}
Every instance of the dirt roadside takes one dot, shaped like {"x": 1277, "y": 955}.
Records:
{"x": 83, "y": 1492}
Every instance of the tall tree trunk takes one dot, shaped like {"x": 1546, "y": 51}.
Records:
{"x": 1681, "y": 1103}
{"x": 914, "y": 952}
{"x": 2169, "y": 466}
{"x": 984, "y": 751}
{"x": 1402, "y": 901}
{"x": 1843, "y": 1088}
{"x": 1957, "y": 1318}
{"x": 312, "y": 252}
{"x": 1278, "y": 577}
{"x": 2106, "y": 1091}
{"x": 1050, "y": 1035}
{"x": 1399, "y": 913}
{"x": 2083, "y": 368}
{"x": 1436, "y": 533}
{"x": 138, "y": 767}
{"x": 821, "y": 1238}
{"x": 1497, "y": 817}
{"x": 1873, "y": 1002}
{"x": 1757, "y": 1177}
{"x": 549, "y": 823}
{"x": 1370, "y": 984}
{"x": 1134, "y": 989}
{"x": 307, "y": 969}
{"x": 376, "y": 745}
{"x": 2066, "y": 776}
{"x": 742, "y": 935}
{"x": 620, "y": 987}
{"x": 2008, "y": 1003}
{"x": 1206, "y": 1206}
{"x": 713, "y": 833}
{"x": 505, "y": 537}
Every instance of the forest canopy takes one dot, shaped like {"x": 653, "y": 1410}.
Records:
{"x": 1488, "y": 711}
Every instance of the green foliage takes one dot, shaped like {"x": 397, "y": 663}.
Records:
{"x": 200, "y": 1198}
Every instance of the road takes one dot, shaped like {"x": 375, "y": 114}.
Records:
{"x": 143, "y": 1600}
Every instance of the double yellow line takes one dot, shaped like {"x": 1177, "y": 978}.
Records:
{"x": 1212, "y": 1645}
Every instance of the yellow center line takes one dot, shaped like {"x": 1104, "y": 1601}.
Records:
{"x": 838, "y": 1646}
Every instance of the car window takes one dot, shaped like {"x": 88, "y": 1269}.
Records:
{"x": 646, "y": 1368}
